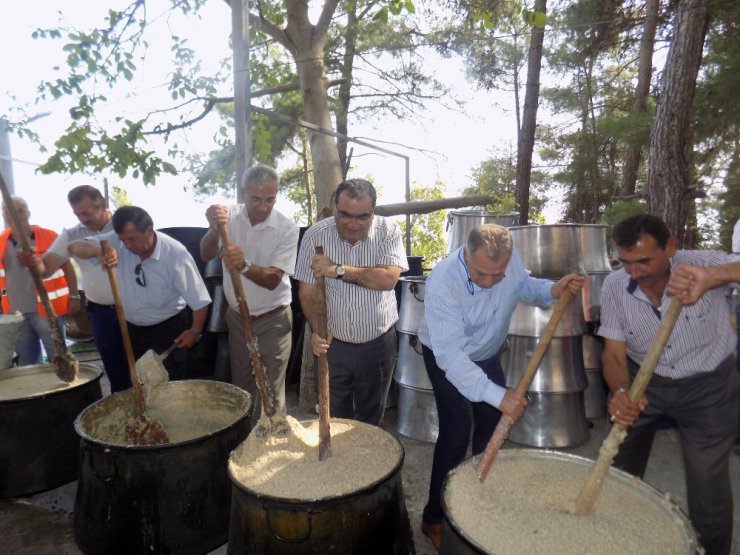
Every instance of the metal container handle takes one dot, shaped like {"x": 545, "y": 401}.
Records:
{"x": 272, "y": 520}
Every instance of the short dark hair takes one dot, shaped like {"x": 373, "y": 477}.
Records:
{"x": 259, "y": 174}
{"x": 494, "y": 239}
{"x": 356, "y": 188}
{"x": 132, "y": 214}
{"x": 627, "y": 232}
{"x": 78, "y": 193}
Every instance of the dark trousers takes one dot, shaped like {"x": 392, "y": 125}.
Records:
{"x": 159, "y": 337}
{"x": 107, "y": 337}
{"x": 456, "y": 417}
{"x": 705, "y": 409}
{"x": 360, "y": 376}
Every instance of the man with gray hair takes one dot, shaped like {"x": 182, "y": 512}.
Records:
{"x": 263, "y": 251}
{"x": 468, "y": 301}
{"x": 363, "y": 259}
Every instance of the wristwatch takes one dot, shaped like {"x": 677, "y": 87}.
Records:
{"x": 245, "y": 267}
{"x": 74, "y": 296}
{"x": 340, "y": 271}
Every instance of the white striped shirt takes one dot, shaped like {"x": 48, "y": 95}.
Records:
{"x": 702, "y": 337}
{"x": 355, "y": 314}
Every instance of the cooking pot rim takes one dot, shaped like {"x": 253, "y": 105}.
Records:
{"x": 177, "y": 445}
{"x": 96, "y": 371}
{"x": 290, "y": 502}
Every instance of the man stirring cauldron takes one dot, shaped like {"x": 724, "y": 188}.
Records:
{"x": 695, "y": 382}
{"x": 158, "y": 280}
{"x": 469, "y": 299}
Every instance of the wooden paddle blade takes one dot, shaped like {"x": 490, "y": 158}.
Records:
{"x": 147, "y": 431}
{"x": 66, "y": 366}
{"x": 494, "y": 446}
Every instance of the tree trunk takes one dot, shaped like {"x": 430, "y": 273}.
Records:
{"x": 529, "y": 118}
{"x": 642, "y": 89}
{"x": 668, "y": 170}
{"x": 343, "y": 97}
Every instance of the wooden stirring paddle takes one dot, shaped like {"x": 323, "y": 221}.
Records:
{"x": 322, "y": 331}
{"x": 504, "y": 425}
{"x": 65, "y": 364}
{"x": 610, "y": 446}
{"x": 146, "y": 430}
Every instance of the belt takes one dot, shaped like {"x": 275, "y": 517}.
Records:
{"x": 272, "y": 312}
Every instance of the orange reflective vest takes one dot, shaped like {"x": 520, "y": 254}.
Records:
{"x": 56, "y": 284}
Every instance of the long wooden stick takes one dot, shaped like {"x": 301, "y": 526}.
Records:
{"x": 260, "y": 376}
{"x": 506, "y": 422}
{"x": 322, "y": 331}
{"x": 610, "y": 446}
{"x": 65, "y": 364}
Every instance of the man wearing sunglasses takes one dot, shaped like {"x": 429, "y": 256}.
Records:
{"x": 263, "y": 251}
{"x": 363, "y": 259}
{"x": 163, "y": 295}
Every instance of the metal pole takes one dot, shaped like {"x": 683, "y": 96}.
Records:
{"x": 242, "y": 101}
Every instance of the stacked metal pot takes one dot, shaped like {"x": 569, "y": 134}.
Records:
{"x": 416, "y": 414}
{"x": 556, "y": 414}
{"x": 595, "y": 253}
{"x": 460, "y": 222}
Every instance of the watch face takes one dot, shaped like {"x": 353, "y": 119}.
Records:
{"x": 340, "y": 270}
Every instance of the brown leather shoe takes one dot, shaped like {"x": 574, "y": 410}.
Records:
{"x": 433, "y": 532}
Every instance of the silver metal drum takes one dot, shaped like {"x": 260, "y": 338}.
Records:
{"x": 416, "y": 415}
{"x": 592, "y": 349}
{"x": 552, "y": 420}
{"x": 549, "y": 251}
{"x": 412, "y": 304}
{"x": 561, "y": 369}
{"x": 595, "y": 248}
{"x": 410, "y": 368}
{"x": 591, "y": 296}
{"x": 460, "y": 222}
{"x": 529, "y": 319}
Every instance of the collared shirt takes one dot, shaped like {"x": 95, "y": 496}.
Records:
{"x": 171, "y": 278}
{"x": 702, "y": 337}
{"x": 460, "y": 327}
{"x": 273, "y": 242}
{"x": 94, "y": 279}
{"x": 356, "y": 314}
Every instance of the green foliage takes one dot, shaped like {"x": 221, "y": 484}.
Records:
{"x": 620, "y": 210}
{"x": 427, "y": 230}
{"x": 534, "y": 18}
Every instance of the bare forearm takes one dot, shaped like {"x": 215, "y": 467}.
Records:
{"x": 83, "y": 249}
{"x": 199, "y": 319}
{"x": 307, "y": 297}
{"x": 377, "y": 278}
{"x": 209, "y": 245}
{"x": 71, "y": 277}
{"x": 615, "y": 370}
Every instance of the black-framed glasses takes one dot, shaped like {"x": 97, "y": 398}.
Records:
{"x": 140, "y": 277}
{"x": 342, "y": 215}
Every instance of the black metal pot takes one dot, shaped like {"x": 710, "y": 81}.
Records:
{"x": 171, "y": 498}
{"x": 370, "y": 520}
{"x": 38, "y": 444}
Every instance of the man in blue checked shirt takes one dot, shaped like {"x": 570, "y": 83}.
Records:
{"x": 468, "y": 302}
{"x": 695, "y": 382}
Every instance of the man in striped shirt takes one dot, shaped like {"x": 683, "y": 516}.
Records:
{"x": 695, "y": 382}
{"x": 363, "y": 259}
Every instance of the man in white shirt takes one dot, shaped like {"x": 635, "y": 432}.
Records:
{"x": 263, "y": 251}
{"x": 91, "y": 209}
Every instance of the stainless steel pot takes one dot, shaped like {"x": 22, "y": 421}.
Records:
{"x": 460, "y": 222}
{"x": 410, "y": 368}
{"x": 561, "y": 369}
{"x": 591, "y": 296}
{"x": 416, "y": 414}
{"x": 549, "y": 251}
{"x": 595, "y": 248}
{"x": 216, "y": 322}
{"x": 531, "y": 320}
{"x": 552, "y": 420}
{"x": 592, "y": 349}
{"x": 412, "y": 304}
